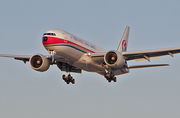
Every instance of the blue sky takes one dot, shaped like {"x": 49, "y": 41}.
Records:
{"x": 152, "y": 92}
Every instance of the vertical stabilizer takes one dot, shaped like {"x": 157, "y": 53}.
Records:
{"x": 124, "y": 41}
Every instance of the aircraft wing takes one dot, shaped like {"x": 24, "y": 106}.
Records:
{"x": 139, "y": 55}
{"x": 25, "y": 58}
{"x": 147, "y": 54}
{"x": 60, "y": 62}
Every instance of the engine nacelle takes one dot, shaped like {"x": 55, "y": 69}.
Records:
{"x": 39, "y": 63}
{"x": 114, "y": 59}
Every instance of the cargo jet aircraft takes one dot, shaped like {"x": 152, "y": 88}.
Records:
{"x": 73, "y": 54}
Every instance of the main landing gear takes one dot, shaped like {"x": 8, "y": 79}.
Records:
{"x": 110, "y": 77}
{"x": 68, "y": 79}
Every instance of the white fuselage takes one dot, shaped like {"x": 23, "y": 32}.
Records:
{"x": 75, "y": 51}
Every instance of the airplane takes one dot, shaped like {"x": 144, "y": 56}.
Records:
{"x": 73, "y": 54}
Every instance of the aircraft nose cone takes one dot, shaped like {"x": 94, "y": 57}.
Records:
{"x": 45, "y": 38}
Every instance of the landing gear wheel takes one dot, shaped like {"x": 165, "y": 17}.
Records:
{"x": 114, "y": 79}
{"x": 110, "y": 77}
{"x": 73, "y": 81}
{"x": 68, "y": 79}
{"x": 64, "y": 77}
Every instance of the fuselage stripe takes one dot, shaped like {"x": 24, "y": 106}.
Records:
{"x": 84, "y": 51}
{"x": 53, "y": 41}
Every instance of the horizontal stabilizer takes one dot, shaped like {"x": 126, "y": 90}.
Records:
{"x": 145, "y": 66}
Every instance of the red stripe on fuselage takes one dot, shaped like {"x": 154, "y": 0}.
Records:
{"x": 55, "y": 40}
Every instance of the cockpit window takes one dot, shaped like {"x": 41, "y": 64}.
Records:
{"x": 50, "y": 34}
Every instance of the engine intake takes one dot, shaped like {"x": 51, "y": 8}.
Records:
{"x": 114, "y": 59}
{"x": 39, "y": 63}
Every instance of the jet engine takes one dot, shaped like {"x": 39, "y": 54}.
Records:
{"x": 39, "y": 63}
{"x": 114, "y": 59}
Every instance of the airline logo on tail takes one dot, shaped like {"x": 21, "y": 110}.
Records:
{"x": 124, "y": 41}
{"x": 124, "y": 45}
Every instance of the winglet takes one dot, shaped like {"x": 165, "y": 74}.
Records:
{"x": 124, "y": 41}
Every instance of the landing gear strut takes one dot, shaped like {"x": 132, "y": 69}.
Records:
{"x": 110, "y": 77}
{"x": 68, "y": 79}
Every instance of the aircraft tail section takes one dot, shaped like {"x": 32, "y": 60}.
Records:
{"x": 124, "y": 41}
